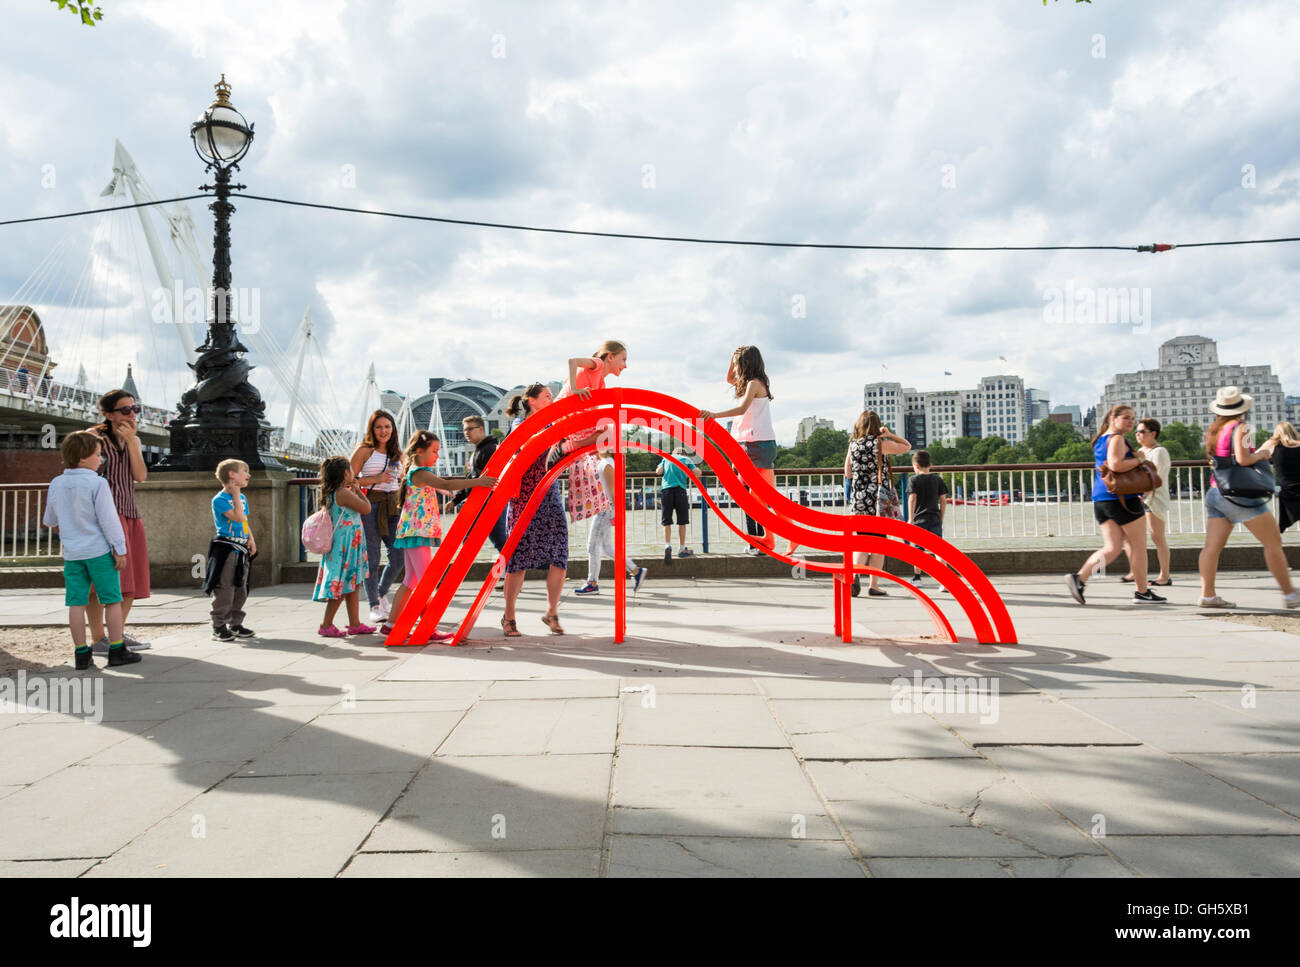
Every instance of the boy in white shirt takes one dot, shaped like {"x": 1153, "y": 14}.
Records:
{"x": 80, "y": 508}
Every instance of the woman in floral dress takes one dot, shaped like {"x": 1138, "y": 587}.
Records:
{"x": 871, "y": 444}
{"x": 545, "y": 542}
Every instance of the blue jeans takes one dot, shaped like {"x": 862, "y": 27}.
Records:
{"x": 377, "y": 584}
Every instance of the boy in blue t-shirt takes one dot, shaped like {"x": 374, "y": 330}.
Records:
{"x": 674, "y": 496}
{"x": 230, "y": 553}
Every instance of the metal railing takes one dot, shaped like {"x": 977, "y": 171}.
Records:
{"x": 59, "y": 398}
{"x": 1016, "y": 506}
{"x": 22, "y": 536}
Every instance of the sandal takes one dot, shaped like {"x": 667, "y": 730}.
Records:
{"x": 510, "y": 628}
{"x": 1126, "y": 580}
{"x": 1162, "y": 584}
{"x": 552, "y": 621}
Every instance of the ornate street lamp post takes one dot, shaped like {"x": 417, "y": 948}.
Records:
{"x": 222, "y": 415}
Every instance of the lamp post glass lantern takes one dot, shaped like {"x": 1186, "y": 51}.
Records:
{"x": 222, "y": 415}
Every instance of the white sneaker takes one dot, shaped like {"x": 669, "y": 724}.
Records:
{"x": 134, "y": 643}
{"x": 1292, "y": 600}
{"x": 377, "y": 613}
{"x": 1218, "y": 602}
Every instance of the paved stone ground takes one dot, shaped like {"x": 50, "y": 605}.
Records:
{"x": 731, "y": 735}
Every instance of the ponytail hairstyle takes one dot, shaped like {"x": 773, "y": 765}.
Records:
{"x": 1104, "y": 427}
{"x": 868, "y": 425}
{"x": 1212, "y": 434}
{"x": 420, "y": 440}
{"x": 333, "y": 472}
{"x": 107, "y": 404}
{"x": 749, "y": 365}
{"x": 516, "y": 406}
{"x": 610, "y": 347}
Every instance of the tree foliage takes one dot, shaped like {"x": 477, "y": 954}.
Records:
{"x": 86, "y": 10}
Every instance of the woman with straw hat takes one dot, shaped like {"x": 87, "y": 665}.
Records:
{"x": 1228, "y": 434}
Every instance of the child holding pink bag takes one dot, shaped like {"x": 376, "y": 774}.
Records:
{"x": 343, "y": 568}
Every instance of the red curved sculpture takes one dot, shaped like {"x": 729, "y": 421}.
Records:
{"x": 808, "y": 527}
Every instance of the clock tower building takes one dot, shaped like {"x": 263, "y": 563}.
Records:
{"x": 1183, "y": 387}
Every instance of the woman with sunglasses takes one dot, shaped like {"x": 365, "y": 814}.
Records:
{"x": 123, "y": 468}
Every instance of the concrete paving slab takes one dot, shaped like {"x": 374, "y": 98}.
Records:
{"x": 943, "y": 807}
{"x": 45, "y": 869}
{"x": 207, "y": 735}
{"x": 34, "y": 750}
{"x": 149, "y": 700}
{"x": 1068, "y": 867}
{"x": 1136, "y": 791}
{"x": 693, "y": 856}
{"x": 369, "y": 707}
{"x": 267, "y": 826}
{"x": 578, "y": 688}
{"x": 1192, "y": 724}
{"x": 495, "y": 864}
{"x": 1227, "y": 856}
{"x": 290, "y": 688}
{"x": 869, "y": 729}
{"x": 739, "y": 721}
{"x": 341, "y": 744}
{"x": 1274, "y": 778}
{"x": 537, "y": 727}
{"x": 672, "y": 790}
{"x": 49, "y": 819}
{"x": 464, "y": 693}
{"x": 500, "y": 803}
{"x": 9, "y": 790}
{"x": 701, "y": 685}
{"x": 1030, "y": 720}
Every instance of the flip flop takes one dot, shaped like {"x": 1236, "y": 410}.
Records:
{"x": 511, "y": 629}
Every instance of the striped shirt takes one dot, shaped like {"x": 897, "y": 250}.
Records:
{"x": 116, "y": 469}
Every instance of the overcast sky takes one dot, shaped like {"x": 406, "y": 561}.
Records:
{"x": 909, "y": 122}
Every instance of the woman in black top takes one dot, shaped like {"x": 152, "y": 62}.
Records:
{"x": 1286, "y": 464}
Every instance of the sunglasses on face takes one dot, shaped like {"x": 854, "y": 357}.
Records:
{"x": 128, "y": 410}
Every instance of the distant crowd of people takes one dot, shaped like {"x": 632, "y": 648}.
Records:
{"x": 384, "y": 500}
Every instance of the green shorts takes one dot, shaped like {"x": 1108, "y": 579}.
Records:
{"x": 78, "y": 576}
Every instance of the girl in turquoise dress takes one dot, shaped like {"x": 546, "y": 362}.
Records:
{"x": 344, "y": 568}
{"x": 419, "y": 530}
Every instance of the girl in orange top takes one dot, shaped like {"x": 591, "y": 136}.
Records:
{"x": 587, "y": 497}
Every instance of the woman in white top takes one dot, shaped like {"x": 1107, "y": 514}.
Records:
{"x": 374, "y": 464}
{"x": 755, "y": 432}
{"x": 1157, "y": 502}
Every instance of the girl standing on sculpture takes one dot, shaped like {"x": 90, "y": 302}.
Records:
{"x": 748, "y": 379}
{"x": 587, "y": 497}
{"x": 123, "y": 468}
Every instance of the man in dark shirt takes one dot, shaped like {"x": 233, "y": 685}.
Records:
{"x": 927, "y": 500}
{"x": 484, "y": 446}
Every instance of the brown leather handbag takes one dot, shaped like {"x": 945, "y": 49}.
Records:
{"x": 1142, "y": 479}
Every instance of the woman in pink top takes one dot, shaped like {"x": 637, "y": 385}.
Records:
{"x": 587, "y": 497}
{"x": 1229, "y": 435}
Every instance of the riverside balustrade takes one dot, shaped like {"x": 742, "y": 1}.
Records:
{"x": 1013, "y": 506}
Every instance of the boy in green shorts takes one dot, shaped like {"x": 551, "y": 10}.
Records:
{"x": 80, "y": 507}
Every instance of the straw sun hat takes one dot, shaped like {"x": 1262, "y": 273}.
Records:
{"x": 1231, "y": 401}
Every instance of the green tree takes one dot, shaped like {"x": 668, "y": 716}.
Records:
{"x": 826, "y": 448}
{"x": 983, "y": 449}
{"x": 1045, "y": 438}
{"x": 1182, "y": 441}
{"x": 85, "y": 9}
{"x": 1080, "y": 451}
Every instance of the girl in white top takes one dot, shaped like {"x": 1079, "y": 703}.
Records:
{"x": 755, "y": 433}
{"x": 374, "y": 465}
{"x": 1157, "y": 502}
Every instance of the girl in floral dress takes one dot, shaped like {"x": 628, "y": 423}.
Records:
{"x": 344, "y": 568}
{"x": 420, "y": 528}
{"x": 870, "y": 446}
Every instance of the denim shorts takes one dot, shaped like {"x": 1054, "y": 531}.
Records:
{"x": 1238, "y": 510}
{"x": 761, "y": 453}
